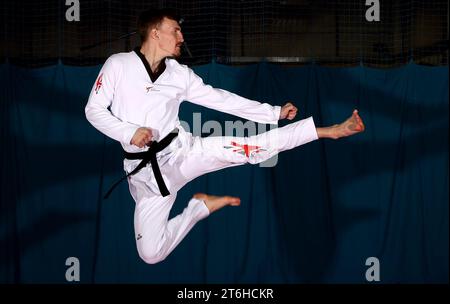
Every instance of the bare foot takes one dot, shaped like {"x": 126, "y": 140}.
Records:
{"x": 215, "y": 203}
{"x": 351, "y": 126}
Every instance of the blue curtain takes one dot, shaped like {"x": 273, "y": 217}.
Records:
{"x": 315, "y": 217}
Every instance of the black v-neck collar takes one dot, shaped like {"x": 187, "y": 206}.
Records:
{"x": 161, "y": 67}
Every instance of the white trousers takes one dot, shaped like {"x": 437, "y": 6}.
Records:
{"x": 187, "y": 158}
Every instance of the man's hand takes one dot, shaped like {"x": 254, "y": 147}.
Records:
{"x": 141, "y": 137}
{"x": 288, "y": 111}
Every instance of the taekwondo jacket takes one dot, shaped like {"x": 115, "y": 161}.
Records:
{"x": 124, "y": 98}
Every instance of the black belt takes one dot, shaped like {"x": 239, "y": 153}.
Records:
{"x": 149, "y": 156}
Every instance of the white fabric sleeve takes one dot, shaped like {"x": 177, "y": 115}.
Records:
{"x": 97, "y": 112}
{"x": 224, "y": 101}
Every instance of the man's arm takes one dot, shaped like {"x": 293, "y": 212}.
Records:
{"x": 224, "y": 101}
{"x": 100, "y": 99}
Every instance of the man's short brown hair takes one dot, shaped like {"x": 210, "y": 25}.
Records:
{"x": 151, "y": 18}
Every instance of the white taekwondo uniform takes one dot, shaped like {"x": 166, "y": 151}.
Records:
{"x": 124, "y": 98}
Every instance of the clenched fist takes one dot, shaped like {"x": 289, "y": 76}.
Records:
{"x": 141, "y": 137}
{"x": 288, "y": 111}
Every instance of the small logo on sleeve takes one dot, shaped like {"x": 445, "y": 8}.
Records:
{"x": 98, "y": 83}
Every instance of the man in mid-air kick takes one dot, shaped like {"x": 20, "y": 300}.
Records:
{"x": 135, "y": 100}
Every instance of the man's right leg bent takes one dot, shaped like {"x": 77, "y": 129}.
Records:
{"x": 156, "y": 235}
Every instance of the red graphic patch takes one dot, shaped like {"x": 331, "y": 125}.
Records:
{"x": 244, "y": 149}
{"x": 98, "y": 83}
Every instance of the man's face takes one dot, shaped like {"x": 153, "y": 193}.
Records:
{"x": 170, "y": 38}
